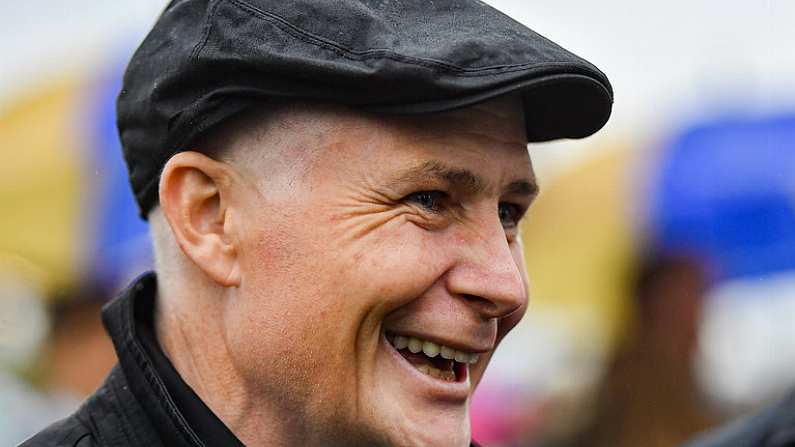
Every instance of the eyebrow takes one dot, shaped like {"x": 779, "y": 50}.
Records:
{"x": 460, "y": 179}
{"x": 522, "y": 187}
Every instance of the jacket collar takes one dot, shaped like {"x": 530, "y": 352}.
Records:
{"x": 176, "y": 412}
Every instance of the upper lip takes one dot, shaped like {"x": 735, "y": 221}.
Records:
{"x": 459, "y": 345}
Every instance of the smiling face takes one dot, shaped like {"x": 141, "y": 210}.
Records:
{"x": 380, "y": 265}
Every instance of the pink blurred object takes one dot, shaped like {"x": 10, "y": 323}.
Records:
{"x": 504, "y": 414}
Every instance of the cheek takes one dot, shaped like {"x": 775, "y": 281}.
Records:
{"x": 396, "y": 266}
{"x": 289, "y": 312}
{"x": 308, "y": 285}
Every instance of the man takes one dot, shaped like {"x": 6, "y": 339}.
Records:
{"x": 334, "y": 191}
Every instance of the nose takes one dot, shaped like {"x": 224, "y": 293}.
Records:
{"x": 487, "y": 274}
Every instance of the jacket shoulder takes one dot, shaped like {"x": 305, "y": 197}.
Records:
{"x": 68, "y": 432}
{"x": 111, "y": 417}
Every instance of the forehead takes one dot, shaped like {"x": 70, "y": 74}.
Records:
{"x": 488, "y": 138}
{"x": 296, "y": 137}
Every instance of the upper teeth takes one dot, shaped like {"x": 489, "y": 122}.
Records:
{"x": 431, "y": 349}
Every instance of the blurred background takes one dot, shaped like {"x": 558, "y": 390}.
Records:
{"x": 661, "y": 251}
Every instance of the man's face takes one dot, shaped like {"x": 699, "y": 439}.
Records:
{"x": 381, "y": 266}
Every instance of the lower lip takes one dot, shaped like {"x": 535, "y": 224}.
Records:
{"x": 456, "y": 392}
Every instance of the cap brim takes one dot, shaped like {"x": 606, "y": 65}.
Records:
{"x": 556, "y": 106}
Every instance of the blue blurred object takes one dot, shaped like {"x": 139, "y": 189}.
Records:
{"x": 726, "y": 191}
{"x": 120, "y": 244}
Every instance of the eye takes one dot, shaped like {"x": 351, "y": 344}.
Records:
{"x": 510, "y": 214}
{"x": 430, "y": 200}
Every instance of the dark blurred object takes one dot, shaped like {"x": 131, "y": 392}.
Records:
{"x": 79, "y": 354}
{"x": 771, "y": 427}
{"x": 670, "y": 291}
{"x": 649, "y": 396}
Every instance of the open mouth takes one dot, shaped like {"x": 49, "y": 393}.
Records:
{"x": 438, "y": 361}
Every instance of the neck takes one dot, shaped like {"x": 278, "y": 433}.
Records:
{"x": 190, "y": 330}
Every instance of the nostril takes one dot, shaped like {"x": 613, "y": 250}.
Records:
{"x": 484, "y": 304}
{"x": 473, "y": 298}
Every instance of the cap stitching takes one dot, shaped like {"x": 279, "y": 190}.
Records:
{"x": 359, "y": 55}
{"x": 206, "y": 32}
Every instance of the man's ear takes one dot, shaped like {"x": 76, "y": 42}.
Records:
{"x": 194, "y": 191}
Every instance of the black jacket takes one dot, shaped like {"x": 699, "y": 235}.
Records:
{"x": 143, "y": 401}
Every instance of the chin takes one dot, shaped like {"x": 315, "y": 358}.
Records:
{"x": 456, "y": 435}
{"x": 413, "y": 409}
{"x": 431, "y": 432}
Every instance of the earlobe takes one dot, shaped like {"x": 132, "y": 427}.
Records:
{"x": 193, "y": 197}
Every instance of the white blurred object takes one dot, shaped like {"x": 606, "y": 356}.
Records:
{"x": 23, "y": 321}
{"x": 546, "y": 355}
{"x": 747, "y": 354}
{"x": 26, "y": 411}
{"x": 24, "y": 325}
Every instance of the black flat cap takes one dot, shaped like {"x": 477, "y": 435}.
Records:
{"x": 207, "y": 60}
